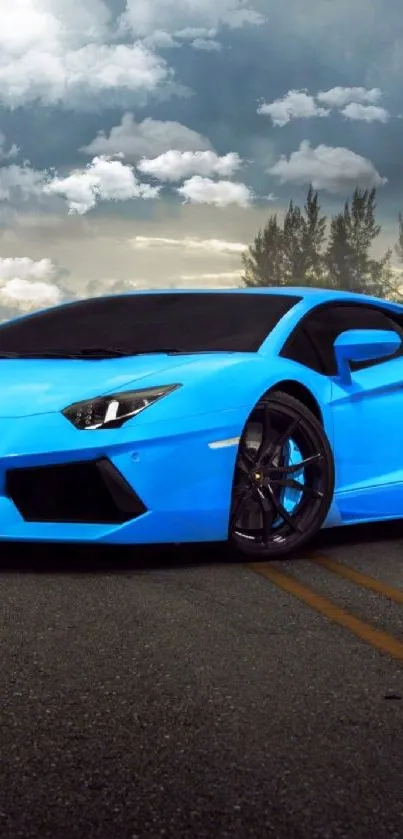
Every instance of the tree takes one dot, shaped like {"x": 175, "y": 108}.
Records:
{"x": 339, "y": 253}
{"x": 293, "y": 246}
{"x": 314, "y": 236}
{"x": 295, "y": 253}
{"x": 291, "y": 255}
{"x": 352, "y": 234}
{"x": 264, "y": 260}
{"x": 399, "y": 246}
{"x": 394, "y": 279}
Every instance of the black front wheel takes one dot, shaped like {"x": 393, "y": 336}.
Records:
{"x": 284, "y": 479}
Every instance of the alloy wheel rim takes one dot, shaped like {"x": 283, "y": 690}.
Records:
{"x": 264, "y": 475}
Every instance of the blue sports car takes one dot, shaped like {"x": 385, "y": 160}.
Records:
{"x": 257, "y": 416}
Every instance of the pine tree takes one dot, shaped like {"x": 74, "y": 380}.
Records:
{"x": 264, "y": 260}
{"x": 339, "y": 255}
{"x": 352, "y": 234}
{"x": 291, "y": 255}
{"x": 294, "y": 253}
{"x": 304, "y": 236}
{"x": 293, "y": 246}
{"x": 393, "y": 278}
{"x": 314, "y": 239}
{"x": 399, "y": 246}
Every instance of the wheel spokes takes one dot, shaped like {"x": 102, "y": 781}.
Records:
{"x": 295, "y": 467}
{"x": 267, "y": 513}
{"x": 245, "y": 461}
{"x": 261, "y": 486}
{"x": 269, "y": 446}
{"x": 290, "y": 483}
{"x": 282, "y": 512}
{"x": 244, "y": 495}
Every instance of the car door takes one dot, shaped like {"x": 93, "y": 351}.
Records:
{"x": 367, "y": 414}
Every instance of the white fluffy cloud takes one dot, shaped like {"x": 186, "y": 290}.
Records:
{"x": 198, "y": 37}
{"x": 296, "y": 104}
{"x": 355, "y": 103}
{"x": 5, "y": 153}
{"x": 217, "y": 247}
{"x": 103, "y": 179}
{"x": 26, "y": 285}
{"x": 175, "y": 165}
{"x": 338, "y": 97}
{"x": 74, "y": 78}
{"x": 149, "y": 138}
{"x": 365, "y": 113}
{"x": 209, "y": 45}
{"x": 57, "y": 52}
{"x": 334, "y": 169}
{"x": 78, "y": 54}
{"x": 143, "y": 17}
{"x": 20, "y": 182}
{"x": 198, "y": 190}
{"x": 109, "y": 179}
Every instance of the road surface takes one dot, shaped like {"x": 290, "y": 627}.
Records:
{"x": 186, "y": 694}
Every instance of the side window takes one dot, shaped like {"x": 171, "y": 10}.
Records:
{"x": 324, "y": 326}
{"x": 299, "y": 347}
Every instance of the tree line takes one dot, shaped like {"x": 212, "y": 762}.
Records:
{"x": 307, "y": 249}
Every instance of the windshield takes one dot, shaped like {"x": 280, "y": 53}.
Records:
{"x": 141, "y": 323}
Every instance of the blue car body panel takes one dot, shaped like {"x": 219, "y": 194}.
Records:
{"x": 179, "y": 453}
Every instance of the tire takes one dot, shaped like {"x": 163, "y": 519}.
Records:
{"x": 273, "y": 511}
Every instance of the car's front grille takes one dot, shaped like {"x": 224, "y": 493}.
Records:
{"x": 88, "y": 491}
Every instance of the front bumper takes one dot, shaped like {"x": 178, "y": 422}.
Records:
{"x": 154, "y": 482}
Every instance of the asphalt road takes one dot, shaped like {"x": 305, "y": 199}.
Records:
{"x": 181, "y": 693}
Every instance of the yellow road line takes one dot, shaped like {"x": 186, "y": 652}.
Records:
{"x": 376, "y": 637}
{"x": 362, "y": 580}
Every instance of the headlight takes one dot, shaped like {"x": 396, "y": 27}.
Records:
{"x": 113, "y": 410}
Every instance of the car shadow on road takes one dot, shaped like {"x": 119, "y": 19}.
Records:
{"x": 56, "y": 558}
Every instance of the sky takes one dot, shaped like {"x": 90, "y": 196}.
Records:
{"x": 144, "y": 142}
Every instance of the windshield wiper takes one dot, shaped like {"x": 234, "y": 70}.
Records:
{"x": 82, "y": 352}
{"x": 114, "y": 352}
{"x": 102, "y": 352}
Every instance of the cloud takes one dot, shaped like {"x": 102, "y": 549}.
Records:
{"x": 26, "y": 285}
{"x": 206, "y": 44}
{"x": 160, "y": 40}
{"x": 198, "y": 190}
{"x": 76, "y": 77}
{"x": 355, "y": 103}
{"x": 20, "y": 181}
{"x": 336, "y": 170}
{"x": 365, "y": 113}
{"x": 149, "y": 138}
{"x": 55, "y": 52}
{"x": 296, "y": 104}
{"x": 103, "y": 179}
{"x": 7, "y": 154}
{"x": 142, "y": 17}
{"x": 217, "y": 247}
{"x": 198, "y": 37}
{"x": 221, "y": 278}
{"x": 338, "y": 97}
{"x": 113, "y": 285}
{"x": 175, "y": 165}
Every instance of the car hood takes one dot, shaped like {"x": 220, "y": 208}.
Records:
{"x": 39, "y": 386}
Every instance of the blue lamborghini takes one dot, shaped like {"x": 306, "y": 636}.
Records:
{"x": 257, "y": 416}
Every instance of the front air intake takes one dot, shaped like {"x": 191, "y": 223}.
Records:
{"x": 91, "y": 492}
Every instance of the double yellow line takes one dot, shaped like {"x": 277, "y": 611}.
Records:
{"x": 371, "y": 635}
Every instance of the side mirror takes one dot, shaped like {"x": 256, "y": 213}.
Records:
{"x": 363, "y": 345}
